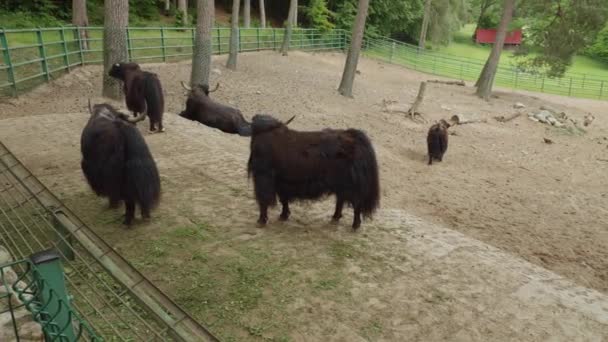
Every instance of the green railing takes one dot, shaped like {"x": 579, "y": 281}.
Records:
{"x": 32, "y": 56}
{"x": 396, "y": 52}
{"x": 37, "y": 284}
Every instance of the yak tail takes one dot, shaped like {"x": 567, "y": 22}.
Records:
{"x": 155, "y": 100}
{"x": 244, "y": 129}
{"x": 142, "y": 180}
{"x": 364, "y": 173}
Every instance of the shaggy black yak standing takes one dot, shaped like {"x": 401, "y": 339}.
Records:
{"x": 437, "y": 140}
{"x": 117, "y": 162}
{"x": 307, "y": 165}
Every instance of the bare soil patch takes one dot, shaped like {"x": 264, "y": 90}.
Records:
{"x": 306, "y": 279}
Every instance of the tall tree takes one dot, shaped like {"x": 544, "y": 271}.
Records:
{"x": 116, "y": 20}
{"x": 167, "y": 6}
{"x": 182, "y": 8}
{"x": 295, "y": 15}
{"x": 234, "y": 36}
{"x": 287, "y": 36}
{"x": 350, "y": 67}
{"x": 486, "y": 78}
{"x": 247, "y": 13}
{"x": 80, "y": 19}
{"x": 425, "y": 24}
{"x": 262, "y": 14}
{"x": 201, "y": 54}
{"x": 484, "y": 6}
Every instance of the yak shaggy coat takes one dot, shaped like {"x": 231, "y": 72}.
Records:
{"x": 308, "y": 165}
{"x": 437, "y": 141}
{"x": 117, "y": 163}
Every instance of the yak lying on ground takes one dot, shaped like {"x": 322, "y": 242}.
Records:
{"x": 307, "y": 165}
{"x": 200, "y": 107}
{"x": 117, "y": 162}
{"x": 437, "y": 140}
{"x": 143, "y": 93}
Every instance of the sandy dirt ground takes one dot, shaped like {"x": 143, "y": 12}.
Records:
{"x": 506, "y": 239}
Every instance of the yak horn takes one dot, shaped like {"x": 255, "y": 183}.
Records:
{"x": 185, "y": 86}
{"x": 139, "y": 117}
{"x": 216, "y": 86}
{"x": 90, "y": 107}
{"x": 290, "y": 120}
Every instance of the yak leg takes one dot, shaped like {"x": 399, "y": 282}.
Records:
{"x": 145, "y": 213}
{"x": 114, "y": 203}
{"x": 357, "y": 219}
{"x": 285, "y": 212}
{"x": 263, "y": 215}
{"x": 130, "y": 213}
{"x": 338, "y": 213}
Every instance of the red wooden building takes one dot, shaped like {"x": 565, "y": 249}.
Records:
{"x": 488, "y": 36}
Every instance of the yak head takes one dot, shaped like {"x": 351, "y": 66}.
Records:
{"x": 200, "y": 87}
{"x": 109, "y": 112}
{"x": 261, "y": 123}
{"x": 444, "y": 124}
{"x": 120, "y": 70}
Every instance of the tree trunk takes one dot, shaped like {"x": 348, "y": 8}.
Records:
{"x": 167, "y": 6}
{"x": 81, "y": 19}
{"x": 116, "y": 20}
{"x": 247, "y": 13}
{"x": 484, "y": 7}
{"x": 182, "y": 6}
{"x": 295, "y": 15}
{"x": 425, "y": 24}
{"x": 201, "y": 54}
{"x": 350, "y": 67}
{"x": 287, "y": 35}
{"x": 486, "y": 78}
{"x": 234, "y": 36}
{"x": 262, "y": 14}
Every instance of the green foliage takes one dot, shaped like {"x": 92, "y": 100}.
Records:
{"x": 558, "y": 30}
{"x": 447, "y": 17}
{"x": 144, "y": 9}
{"x": 20, "y": 19}
{"x": 599, "y": 49}
{"x": 318, "y": 15}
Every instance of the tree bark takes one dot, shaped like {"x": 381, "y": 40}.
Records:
{"x": 425, "y": 24}
{"x": 167, "y": 6}
{"x": 287, "y": 36}
{"x": 234, "y": 36}
{"x": 80, "y": 19}
{"x": 201, "y": 54}
{"x": 350, "y": 67}
{"x": 116, "y": 20}
{"x": 413, "y": 111}
{"x": 182, "y": 6}
{"x": 486, "y": 78}
{"x": 295, "y": 15}
{"x": 262, "y": 14}
{"x": 247, "y": 13}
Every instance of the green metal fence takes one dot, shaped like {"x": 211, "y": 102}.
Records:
{"x": 32, "y": 56}
{"x": 395, "y": 52}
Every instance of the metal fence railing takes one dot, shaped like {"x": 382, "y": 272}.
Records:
{"x": 32, "y": 56}
{"x": 396, "y": 52}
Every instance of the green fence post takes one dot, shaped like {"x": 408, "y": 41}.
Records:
{"x": 53, "y": 295}
{"x": 258, "y": 37}
{"x": 542, "y": 85}
{"x": 601, "y": 89}
{"x": 129, "y": 44}
{"x": 80, "y": 45}
{"x": 42, "y": 52}
{"x": 219, "y": 41}
{"x": 392, "y": 52}
{"x": 6, "y": 53}
{"x": 570, "y": 87}
{"x": 274, "y": 39}
{"x": 162, "y": 43}
{"x": 239, "y": 36}
{"x": 66, "y": 60}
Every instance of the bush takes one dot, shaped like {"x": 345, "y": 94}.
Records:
{"x": 599, "y": 49}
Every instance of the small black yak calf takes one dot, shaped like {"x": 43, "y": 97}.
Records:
{"x": 437, "y": 140}
{"x": 200, "y": 107}
{"x": 117, "y": 163}
{"x": 308, "y": 165}
{"x": 143, "y": 93}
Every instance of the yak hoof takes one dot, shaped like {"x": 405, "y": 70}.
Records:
{"x": 335, "y": 220}
{"x": 356, "y": 226}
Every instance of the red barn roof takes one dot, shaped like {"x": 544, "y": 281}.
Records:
{"x": 488, "y": 36}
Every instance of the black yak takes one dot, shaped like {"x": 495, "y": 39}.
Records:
{"x": 143, "y": 93}
{"x": 308, "y": 165}
{"x": 200, "y": 107}
{"x": 437, "y": 140}
{"x": 117, "y": 163}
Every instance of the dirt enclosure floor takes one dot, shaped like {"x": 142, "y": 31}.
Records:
{"x": 505, "y": 240}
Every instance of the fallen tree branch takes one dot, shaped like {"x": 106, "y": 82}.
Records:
{"x": 460, "y": 120}
{"x": 458, "y": 83}
{"x": 508, "y": 118}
